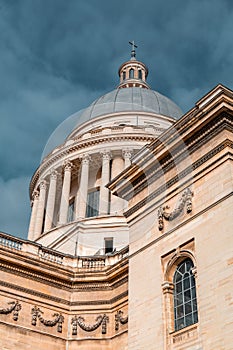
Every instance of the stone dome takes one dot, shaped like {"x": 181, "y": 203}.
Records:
{"x": 131, "y": 99}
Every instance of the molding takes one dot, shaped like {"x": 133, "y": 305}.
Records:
{"x": 70, "y": 278}
{"x": 176, "y": 178}
{"x": 166, "y": 163}
{"x": 168, "y": 233}
{"x": 64, "y": 151}
{"x": 63, "y": 301}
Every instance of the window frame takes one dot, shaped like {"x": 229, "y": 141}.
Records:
{"x": 108, "y": 239}
{"x": 184, "y": 295}
{"x": 170, "y": 262}
{"x": 92, "y": 211}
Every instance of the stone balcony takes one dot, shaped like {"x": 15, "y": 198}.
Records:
{"x": 82, "y": 263}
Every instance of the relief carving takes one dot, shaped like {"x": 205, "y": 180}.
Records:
{"x": 37, "y": 314}
{"x": 119, "y": 319}
{"x": 80, "y": 321}
{"x": 185, "y": 200}
{"x": 14, "y": 308}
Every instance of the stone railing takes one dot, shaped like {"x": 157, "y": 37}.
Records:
{"x": 50, "y": 255}
{"x": 86, "y": 263}
{"x": 10, "y": 242}
{"x": 92, "y": 263}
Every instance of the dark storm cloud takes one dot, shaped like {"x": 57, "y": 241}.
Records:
{"x": 57, "y": 56}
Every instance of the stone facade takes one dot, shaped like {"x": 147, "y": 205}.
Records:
{"x": 49, "y": 300}
{"x": 181, "y": 200}
{"x": 131, "y": 197}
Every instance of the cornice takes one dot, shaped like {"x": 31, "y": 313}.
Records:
{"x": 176, "y": 178}
{"x": 68, "y": 150}
{"x": 169, "y": 160}
{"x": 179, "y": 226}
{"x": 61, "y": 301}
{"x": 79, "y": 280}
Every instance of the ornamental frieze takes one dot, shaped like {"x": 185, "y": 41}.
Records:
{"x": 100, "y": 320}
{"x": 185, "y": 200}
{"x": 14, "y": 308}
{"x": 37, "y": 315}
{"x": 120, "y": 319}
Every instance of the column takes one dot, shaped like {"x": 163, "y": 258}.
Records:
{"x": 65, "y": 194}
{"x": 51, "y": 201}
{"x": 117, "y": 204}
{"x": 168, "y": 289}
{"x": 81, "y": 201}
{"x": 104, "y": 192}
{"x": 35, "y": 200}
{"x": 40, "y": 210}
{"x": 127, "y": 154}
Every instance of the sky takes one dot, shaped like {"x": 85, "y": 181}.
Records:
{"x": 57, "y": 56}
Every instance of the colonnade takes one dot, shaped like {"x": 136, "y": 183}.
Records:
{"x": 44, "y": 198}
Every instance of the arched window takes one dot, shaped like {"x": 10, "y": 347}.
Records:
{"x": 124, "y": 75}
{"x": 131, "y": 73}
{"x": 185, "y": 301}
{"x": 139, "y": 74}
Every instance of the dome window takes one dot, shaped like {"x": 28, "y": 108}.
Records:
{"x": 131, "y": 73}
{"x": 93, "y": 203}
{"x": 124, "y": 75}
{"x": 70, "y": 216}
{"x": 139, "y": 74}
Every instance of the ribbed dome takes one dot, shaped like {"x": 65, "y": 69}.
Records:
{"x": 131, "y": 99}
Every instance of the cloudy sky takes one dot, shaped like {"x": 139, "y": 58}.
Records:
{"x": 57, "y": 56}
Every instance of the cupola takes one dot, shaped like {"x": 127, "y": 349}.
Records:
{"x": 133, "y": 73}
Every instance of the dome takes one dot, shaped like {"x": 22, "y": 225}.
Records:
{"x": 131, "y": 99}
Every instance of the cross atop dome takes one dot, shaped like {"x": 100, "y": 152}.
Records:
{"x": 133, "y": 52}
{"x": 133, "y": 73}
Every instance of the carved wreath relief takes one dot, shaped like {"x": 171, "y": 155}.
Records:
{"x": 14, "y": 308}
{"x": 186, "y": 199}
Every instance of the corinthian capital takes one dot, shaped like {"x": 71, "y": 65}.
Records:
{"x": 35, "y": 195}
{"x": 85, "y": 158}
{"x": 106, "y": 154}
{"x": 53, "y": 174}
{"x": 127, "y": 153}
{"x": 43, "y": 185}
{"x": 67, "y": 165}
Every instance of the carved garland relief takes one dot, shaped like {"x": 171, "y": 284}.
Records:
{"x": 185, "y": 200}
{"x": 58, "y": 319}
{"x": 37, "y": 314}
{"x": 119, "y": 319}
{"x": 14, "y": 308}
{"x": 80, "y": 321}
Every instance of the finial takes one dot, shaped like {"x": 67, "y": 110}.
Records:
{"x": 133, "y": 46}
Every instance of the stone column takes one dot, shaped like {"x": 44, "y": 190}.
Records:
{"x": 65, "y": 194}
{"x": 35, "y": 200}
{"x": 51, "y": 201}
{"x": 40, "y": 210}
{"x": 127, "y": 154}
{"x": 117, "y": 204}
{"x": 168, "y": 289}
{"x": 104, "y": 192}
{"x": 81, "y": 202}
